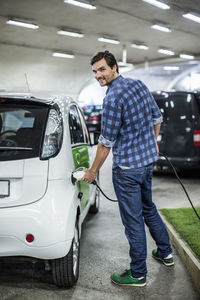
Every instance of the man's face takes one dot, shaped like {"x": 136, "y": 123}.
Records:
{"x": 103, "y": 73}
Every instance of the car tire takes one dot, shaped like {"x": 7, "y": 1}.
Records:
{"x": 94, "y": 208}
{"x": 65, "y": 270}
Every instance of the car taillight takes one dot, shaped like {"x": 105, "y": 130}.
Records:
{"x": 29, "y": 238}
{"x": 53, "y": 135}
{"x": 196, "y": 137}
{"x": 93, "y": 118}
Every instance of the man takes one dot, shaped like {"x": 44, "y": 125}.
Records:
{"x": 130, "y": 125}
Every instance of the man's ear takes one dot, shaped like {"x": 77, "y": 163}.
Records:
{"x": 114, "y": 68}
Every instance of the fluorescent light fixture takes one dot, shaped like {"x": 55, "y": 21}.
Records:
{"x": 161, "y": 28}
{"x": 108, "y": 40}
{"x": 139, "y": 46}
{"x": 165, "y": 51}
{"x": 22, "y": 23}
{"x": 186, "y": 56}
{"x": 63, "y": 55}
{"x": 70, "y": 33}
{"x": 158, "y": 4}
{"x": 192, "y": 16}
{"x": 171, "y": 68}
{"x": 124, "y": 64}
{"x": 80, "y": 4}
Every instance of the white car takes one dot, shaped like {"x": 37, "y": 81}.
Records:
{"x": 41, "y": 210}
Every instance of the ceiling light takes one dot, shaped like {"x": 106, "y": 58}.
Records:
{"x": 63, "y": 55}
{"x": 161, "y": 28}
{"x": 80, "y": 4}
{"x": 165, "y": 51}
{"x": 171, "y": 68}
{"x": 124, "y": 64}
{"x": 139, "y": 46}
{"x": 158, "y": 4}
{"x": 186, "y": 56}
{"x": 22, "y": 23}
{"x": 192, "y": 16}
{"x": 108, "y": 40}
{"x": 70, "y": 33}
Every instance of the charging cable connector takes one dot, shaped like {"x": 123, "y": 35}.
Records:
{"x": 77, "y": 175}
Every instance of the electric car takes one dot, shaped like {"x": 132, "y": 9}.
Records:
{"x": 42, "y": 142}
{"x": 179, "y": 137}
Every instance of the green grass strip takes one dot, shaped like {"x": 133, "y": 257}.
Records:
{"x": 186, "y": 223}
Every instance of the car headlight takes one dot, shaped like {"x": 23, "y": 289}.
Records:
{"x": 53, "y": 135}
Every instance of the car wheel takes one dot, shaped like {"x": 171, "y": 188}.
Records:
{"x": 65, "y": 270}
{"x": 94, "y": 208}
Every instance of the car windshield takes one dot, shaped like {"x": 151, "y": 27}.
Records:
{"x": 21, "y": 130}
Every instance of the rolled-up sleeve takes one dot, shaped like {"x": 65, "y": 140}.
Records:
{"x": 111, "y": 120}
{"x": 157, "y": 120}
{"x": 105, "y": 142}
{"x": 156, "y": 113}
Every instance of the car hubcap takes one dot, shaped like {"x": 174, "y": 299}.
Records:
{"x": 75, "y": 252}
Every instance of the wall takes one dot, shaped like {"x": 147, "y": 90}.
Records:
{"x": 46, "y": 74}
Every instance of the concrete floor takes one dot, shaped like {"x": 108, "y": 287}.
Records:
{"x": 104, "y": 250}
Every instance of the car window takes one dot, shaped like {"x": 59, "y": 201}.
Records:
{"x": 176, "y": 107}
{"x": 85, "y": 131}
{"x": 21, "y": 130}
{"x": 75, "y": 126}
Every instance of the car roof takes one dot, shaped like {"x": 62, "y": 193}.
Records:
{"x": 163, "y": 92}
{"x": 29, "y": 98}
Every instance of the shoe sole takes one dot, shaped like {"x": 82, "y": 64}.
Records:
{"x": 166, "y": 264}
{"x": 129, "y": 284}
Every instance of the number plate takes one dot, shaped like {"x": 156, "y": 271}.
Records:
{"x": 4, "y": 188}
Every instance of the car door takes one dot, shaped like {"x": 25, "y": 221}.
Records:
{"x": 79, "y": 142}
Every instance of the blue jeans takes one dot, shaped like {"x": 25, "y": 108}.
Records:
{"x": 133, "y": 188}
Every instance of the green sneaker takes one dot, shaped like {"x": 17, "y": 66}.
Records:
{"x": 126, "y": 278}
{"x": 166, "y": 261}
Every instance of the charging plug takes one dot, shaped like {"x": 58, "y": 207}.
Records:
{"x": 77, "y": 175}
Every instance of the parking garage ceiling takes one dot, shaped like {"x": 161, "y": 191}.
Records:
{"x": 126, "y": 21}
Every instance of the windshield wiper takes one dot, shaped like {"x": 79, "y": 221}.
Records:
{"x": 15, "y": 148}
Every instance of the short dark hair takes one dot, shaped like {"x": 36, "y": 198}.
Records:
{"x": 109, "y": 58}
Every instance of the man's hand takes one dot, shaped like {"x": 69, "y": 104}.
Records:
{"x": 89, "y": 176}
{"x": 101, "y": 155}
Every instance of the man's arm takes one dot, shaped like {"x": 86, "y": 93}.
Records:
{"x": 156, "y": 131}
{"x": 101, "y": 155}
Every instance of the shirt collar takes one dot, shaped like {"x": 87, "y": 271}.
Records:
{"x": 113, "y": 83}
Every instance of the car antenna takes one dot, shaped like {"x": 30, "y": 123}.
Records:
{"x": 27, "y": 82}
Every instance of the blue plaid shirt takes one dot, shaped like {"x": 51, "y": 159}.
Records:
{"x": 129, "y": 113}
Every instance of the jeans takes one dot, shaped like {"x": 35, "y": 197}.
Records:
{"x": 133, "y": 188}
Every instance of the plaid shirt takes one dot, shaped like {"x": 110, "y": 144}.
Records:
{"x": 129, "y": 113}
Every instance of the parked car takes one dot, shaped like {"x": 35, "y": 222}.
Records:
{"x": 92, "y": 114}
{"x": 41, "y": 211}
{"x": 179, "y": 137}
